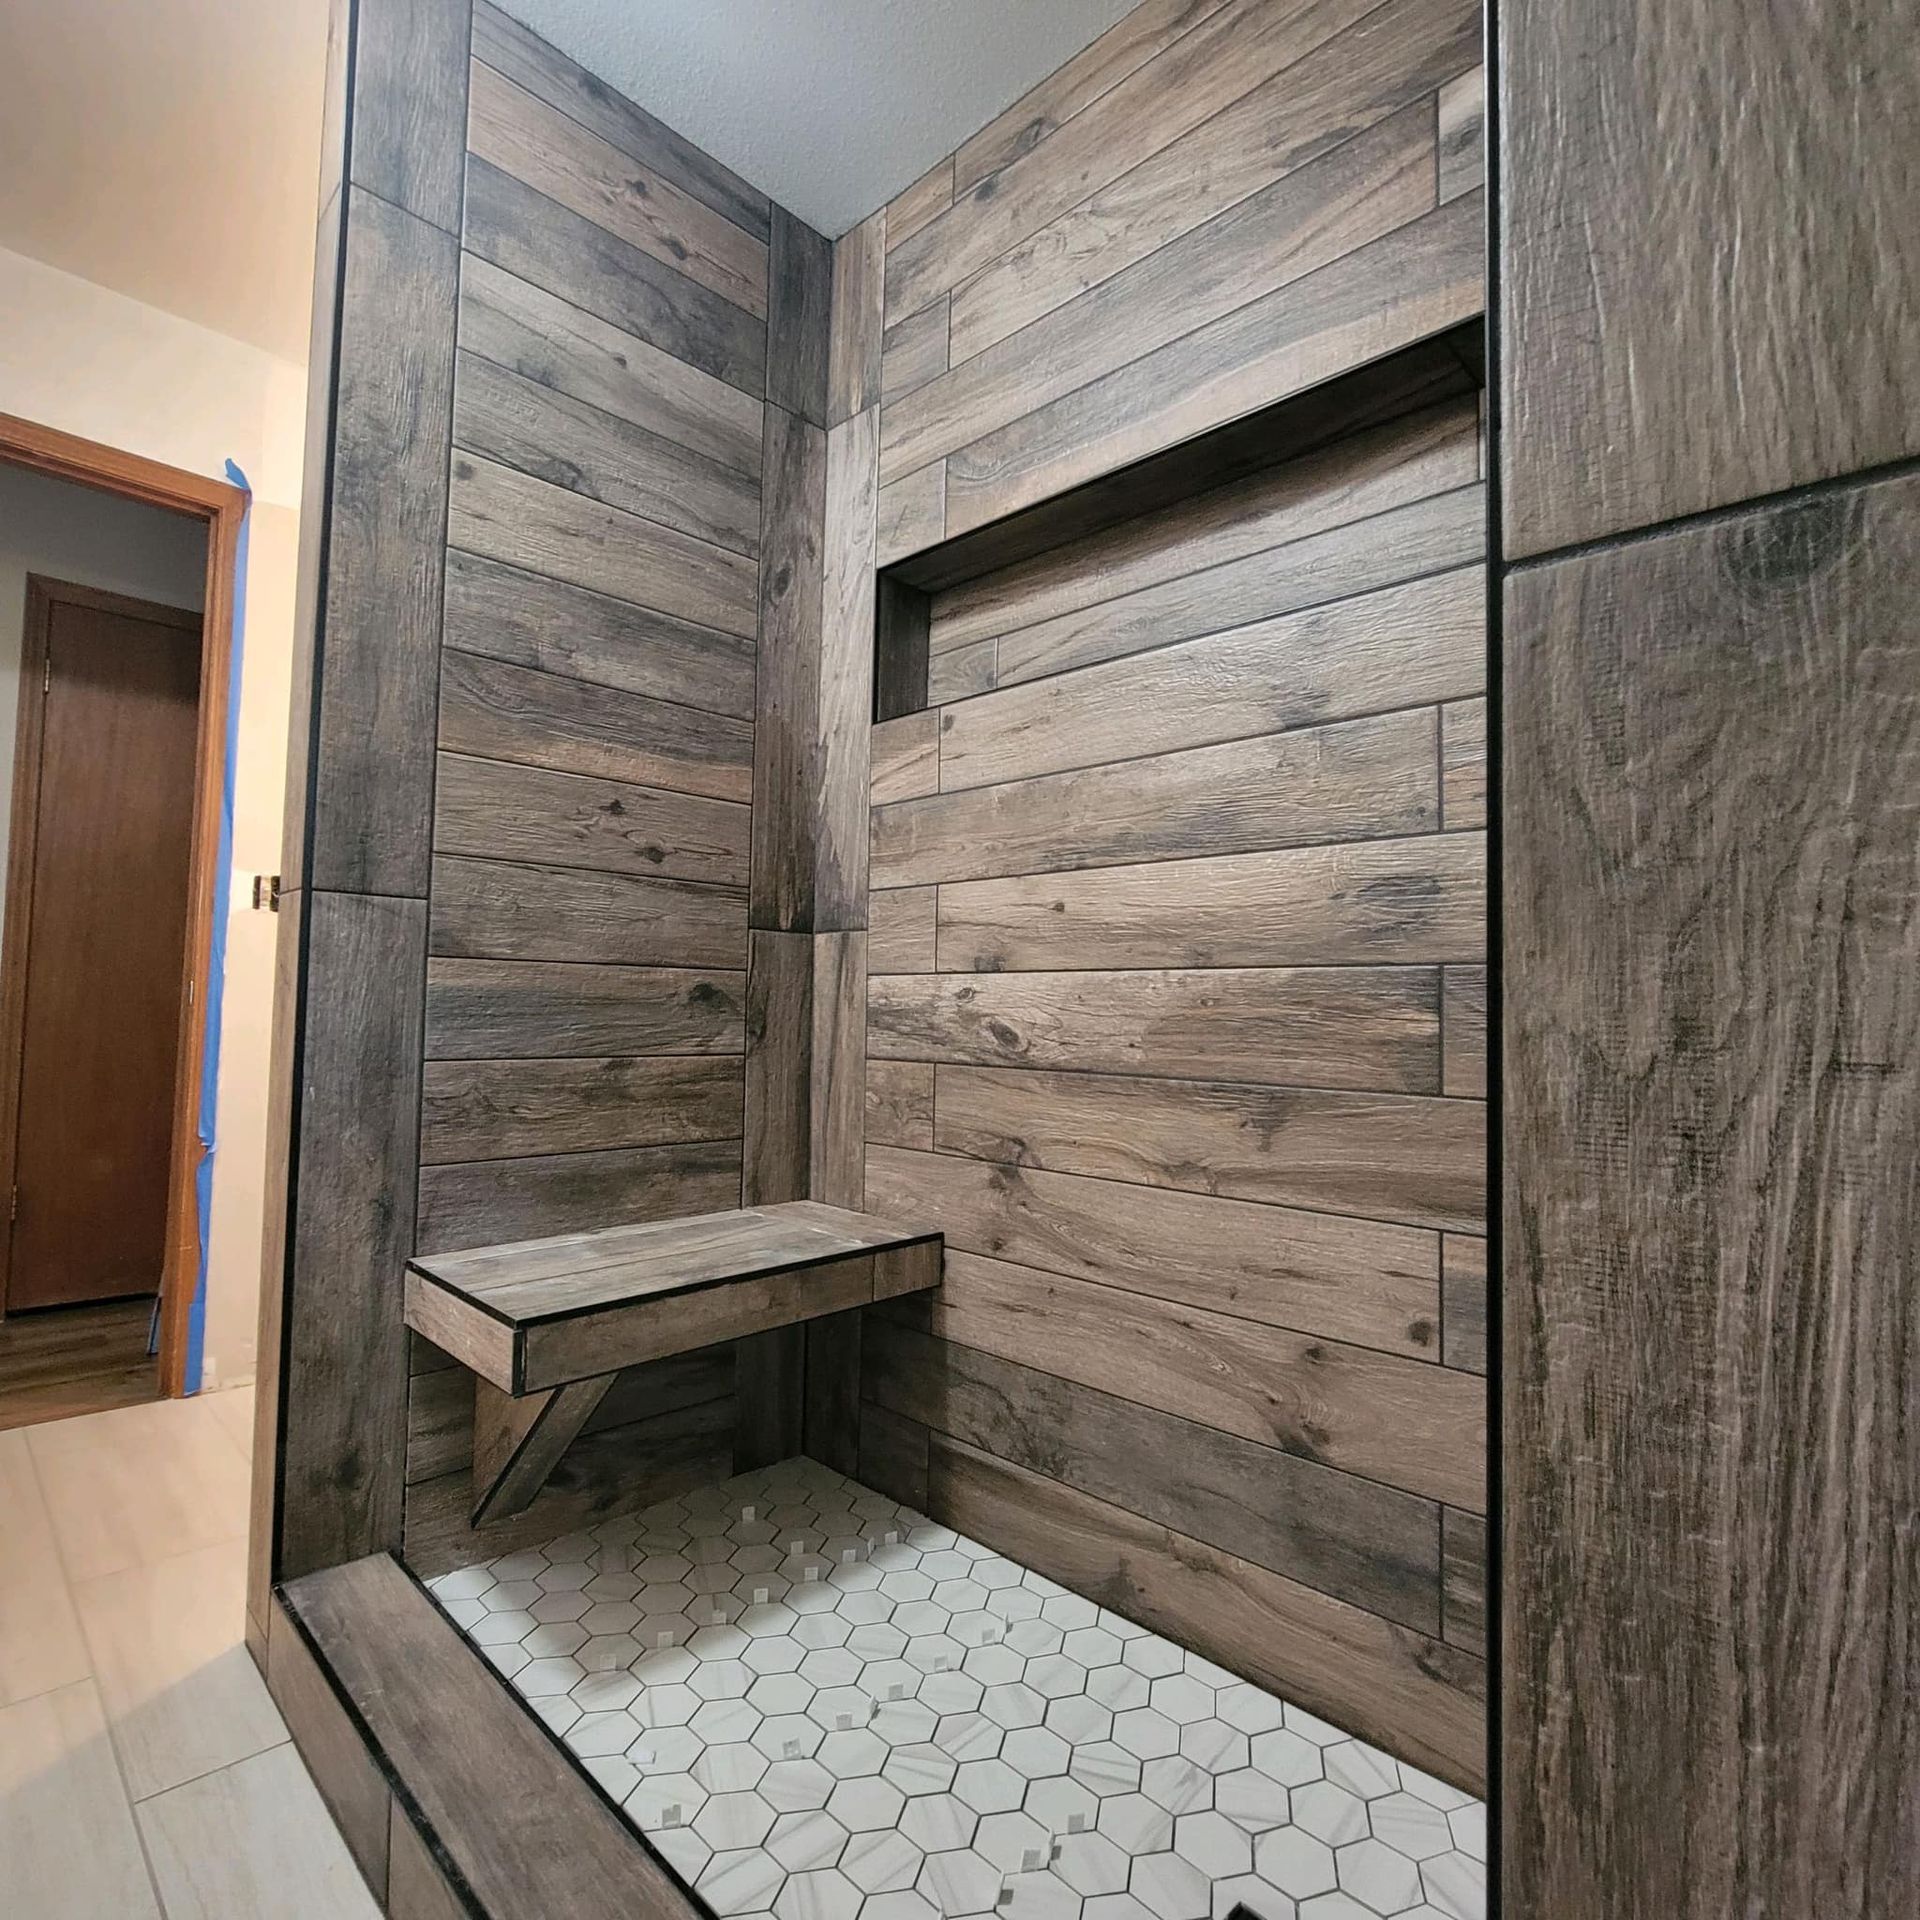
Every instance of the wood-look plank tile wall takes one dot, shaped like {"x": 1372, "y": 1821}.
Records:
{"x": 1176, "y": 937}
{"x": 1216, "y": 204}
{"x": 1712, "y": 1037}
{"x": 350, "y": 979}
{"x": 807, "y": 895}
{"x": 586, "y": 1011}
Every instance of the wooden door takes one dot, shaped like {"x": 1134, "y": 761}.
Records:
{"x": 95, "y": 938}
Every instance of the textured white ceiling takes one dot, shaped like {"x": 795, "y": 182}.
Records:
{"x": 830, "y": 106}
{"x": 169, "y": 148}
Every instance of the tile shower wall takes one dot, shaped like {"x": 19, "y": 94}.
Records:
{"x": 817, "y": 1705}
{"x": 1176, "y": 1031}
{"x": 586, "y": 985}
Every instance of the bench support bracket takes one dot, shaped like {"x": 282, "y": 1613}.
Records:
{"x": 517, "y": 1443}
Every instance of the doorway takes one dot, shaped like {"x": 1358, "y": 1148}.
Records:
{"x": 105, "y": 946}
{"x": 95, "y": 939}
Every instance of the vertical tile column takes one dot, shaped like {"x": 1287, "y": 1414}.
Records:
{"x": 1709, "y": 418}
{"x": 806, "y": 969}
{"x": 331, "y": 1432}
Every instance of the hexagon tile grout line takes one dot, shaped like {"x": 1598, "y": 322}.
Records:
{"x": 819, "y": 1705}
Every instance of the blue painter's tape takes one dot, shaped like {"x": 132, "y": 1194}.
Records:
{"x": 217, "y": 955}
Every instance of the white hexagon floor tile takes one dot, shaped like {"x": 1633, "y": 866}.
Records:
{"x": 819, "y": 1705}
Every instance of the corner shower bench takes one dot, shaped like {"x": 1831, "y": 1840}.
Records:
{"x": 546, "y": 1325}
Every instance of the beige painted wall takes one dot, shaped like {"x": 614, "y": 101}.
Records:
{"x": 89, "y": 361}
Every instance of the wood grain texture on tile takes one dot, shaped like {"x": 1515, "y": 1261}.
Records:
{"x": 1713, "y": 746}
{"x": 1463, "y": 1019}
{"x": 1751, "y": 264}
{"x": 604, "y": 1474}
{"x": 344, "y": 1769}
{"x": 478, "y": 1202}
{"x": 1095, "y": 70}
{"x": 1341, "y": 1534}
{"x": 370, "y": 765}
{"x": 913, "y": 206}
{"x": 1463, "y": 1287}
{"x": 520, "y": 326}
{"x": 799, "y": 305}
{"x": 1463, "y": 133}
{"x": 1358, "y": 192}
{"x": 787, "y": 743}
{"x": 900, "y": 938}
{"x": 1241, "y": 44}
{"x": 509, "y": 1010}
{"x": 546, "y": 72}
{"x": 538, "y": 429}
{"x": 496, "y": 810}
{"x": 1360, "y": 1027}
{"x": 1193, "y": 197}
{"x": 493, "y": 710}
{"x": 523, "y": 232}
{"x": 507, "y": 910}
{"x": 440, "y": 1403}
{"x": 528, "y": 521}
{"x": 1425, "y": 1700}
{"x": 1397, "y": 1420}
{"x": 525, "y": 425}
{"x": 417, "y": 1888}
{"x": 1164, "y": 911}
{"x": 1368, "y": 779}
{"x": 1350, "y": 473}
{"x": 481, "y": 1770}
{"x": 1463, "y": 763}
{"x": 914, "y": 352}
{"x": 552, "y": 152}
{"x": 1374, "y": 1284}
{"x": 1375, "y": 1156}
{"x": 1382, "y": 902}
{"x": 1427, "y": 535}
{"x": 1414, "y": 280}
{"x": 409, "y": 107}
{"x": 502, "y": 1109}
{"x": 899, "y": 1103}
{"x": 343, "y": 1401}
{"x": 1464, "y": 1552}
{"x": 854, "y": 335}
{"x": 1396, "y": 646}
{"x": 577, "y": 633}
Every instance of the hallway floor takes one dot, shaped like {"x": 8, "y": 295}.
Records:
{"x": 819, "y": 1706}
{"x": 144, "y": 1771}
{"x": 65, "y": 1361}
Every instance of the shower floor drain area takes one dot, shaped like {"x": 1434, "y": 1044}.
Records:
{"x": 819, "y": 1705}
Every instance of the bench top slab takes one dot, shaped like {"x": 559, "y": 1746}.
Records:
{"x": 491, "y": 1306}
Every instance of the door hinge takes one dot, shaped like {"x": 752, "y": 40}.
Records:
{"x": 46, "y": 675}
{"x": 13, "y": 1206}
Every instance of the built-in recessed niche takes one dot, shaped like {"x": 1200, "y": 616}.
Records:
{"x": 1418, "y": 376}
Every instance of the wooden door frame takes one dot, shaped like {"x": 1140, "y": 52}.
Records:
{"x": 222, "y": 508}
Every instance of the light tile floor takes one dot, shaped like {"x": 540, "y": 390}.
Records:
{"x": 144, "y": 1771}
{"x": 820, "y": 1706}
